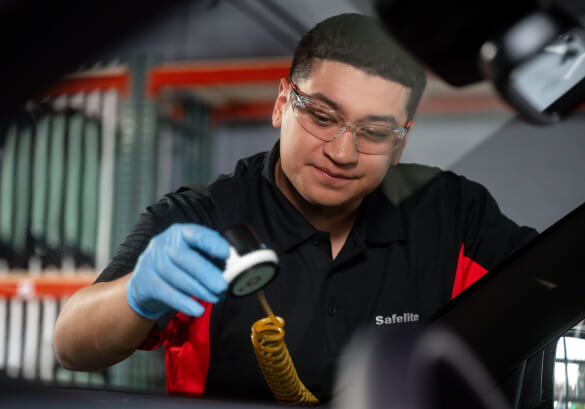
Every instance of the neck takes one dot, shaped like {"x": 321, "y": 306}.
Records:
{"x": 336, "y": 220}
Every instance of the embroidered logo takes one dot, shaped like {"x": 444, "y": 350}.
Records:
{"x": 397, "y": 318}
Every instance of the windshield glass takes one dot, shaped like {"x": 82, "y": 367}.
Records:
{"x": 179, "y": 104}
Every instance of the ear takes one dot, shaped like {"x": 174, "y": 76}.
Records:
{"x": 280, "y": 103}
{"x": 398, "y": 152}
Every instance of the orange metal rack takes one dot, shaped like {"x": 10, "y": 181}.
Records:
{"x": 20, "y": 284}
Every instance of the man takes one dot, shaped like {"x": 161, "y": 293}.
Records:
{"x": 349, "y": 256}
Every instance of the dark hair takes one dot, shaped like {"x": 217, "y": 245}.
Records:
{"x": 363, "y": 43}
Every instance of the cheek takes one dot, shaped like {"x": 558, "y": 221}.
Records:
{"x": 290, "y": 146}
{"x": 296, "y": 147}
{"x": 287, "y": 142}
{"x": 395, "y": 156}
{"x": 377, "y": 169}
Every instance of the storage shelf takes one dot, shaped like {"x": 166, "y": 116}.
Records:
{"x": 47, "y": 283}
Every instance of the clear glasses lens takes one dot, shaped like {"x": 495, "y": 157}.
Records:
{"x": 327, "y": 125}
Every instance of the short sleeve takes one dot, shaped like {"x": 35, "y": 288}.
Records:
{"x": 489, "y": 237}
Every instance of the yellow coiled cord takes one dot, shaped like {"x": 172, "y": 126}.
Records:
{"x": 275, "y": 361}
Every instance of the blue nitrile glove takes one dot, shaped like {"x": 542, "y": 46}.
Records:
{"x": 174, "y": 267}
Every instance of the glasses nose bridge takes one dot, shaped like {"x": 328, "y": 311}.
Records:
{"x": 348, "y": 126}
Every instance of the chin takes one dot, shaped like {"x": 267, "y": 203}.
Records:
{"x": 324, "y": 200}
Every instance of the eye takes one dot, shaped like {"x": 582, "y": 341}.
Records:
{"x": 320, "y": 118}
{"x": 377, "y": 134}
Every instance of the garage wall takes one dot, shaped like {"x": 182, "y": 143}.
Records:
{"x": 536, "y": 173}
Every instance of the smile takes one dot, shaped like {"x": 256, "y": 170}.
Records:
{"x": 333, "y": 177}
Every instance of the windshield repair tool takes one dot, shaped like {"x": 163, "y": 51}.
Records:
{"x": 250, "y": 266}
{"x": 248, "y": 269}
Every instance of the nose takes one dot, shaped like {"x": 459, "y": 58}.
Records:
{"x": 343, "y": 149}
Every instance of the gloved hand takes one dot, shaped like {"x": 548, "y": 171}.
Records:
{"x": 174, "y": 267}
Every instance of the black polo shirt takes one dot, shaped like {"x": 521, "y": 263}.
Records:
{"x": 398, "y": 265}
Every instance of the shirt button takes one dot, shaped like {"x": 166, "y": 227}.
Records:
{"x": 332, "y": 309}
{"x": 316, "y": 240}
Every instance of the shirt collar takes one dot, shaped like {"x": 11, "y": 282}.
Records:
{"x": 378, "y": 220}
{"x": 293, "y": 227}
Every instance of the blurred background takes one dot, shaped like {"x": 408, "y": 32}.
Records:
{"x": 178, "y": 101}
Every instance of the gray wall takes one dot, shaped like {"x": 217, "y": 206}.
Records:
{"x": 536, "y": 173}
{"x": 232, "y": 142}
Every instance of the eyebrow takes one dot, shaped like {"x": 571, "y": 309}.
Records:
{"x": 381, "y": 118}
{"x": 325, "y": 99}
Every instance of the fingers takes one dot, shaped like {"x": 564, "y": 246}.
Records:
{"x": 193, "y": 275}
{"x": 152, "y": 300}
{"x": 199, "y": 269}
{"x": 179, "y": 301}
{"x": 174, "y": 267}
{"x": 208, "y": 241}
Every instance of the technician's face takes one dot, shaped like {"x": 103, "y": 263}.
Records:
{"x": 335, "y": 174}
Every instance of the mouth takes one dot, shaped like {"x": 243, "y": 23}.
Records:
{"x": 335, "y": 175}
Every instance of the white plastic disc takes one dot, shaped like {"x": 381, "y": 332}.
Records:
{"x": 251, "y": 271}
